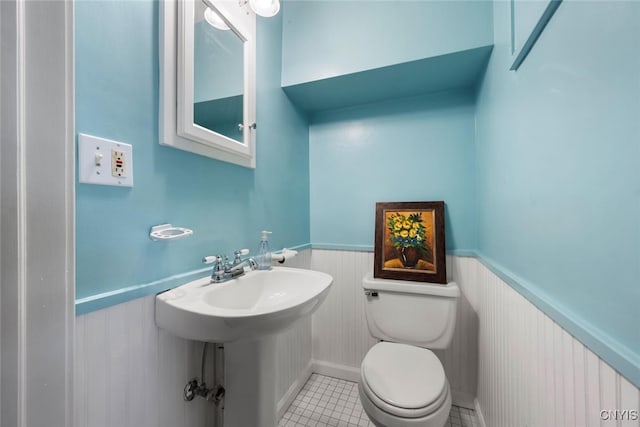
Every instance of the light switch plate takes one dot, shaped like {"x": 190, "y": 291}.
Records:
{"x": 104, "y": 162}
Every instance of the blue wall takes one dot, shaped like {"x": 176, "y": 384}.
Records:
{"x": 330, "y": 38}
{"x": 410, "y": 149}
{"x": 225, "y": 205}
{"x": 558, "y": 146}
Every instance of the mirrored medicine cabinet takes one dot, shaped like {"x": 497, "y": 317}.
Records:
{"x": 207, "y": 79}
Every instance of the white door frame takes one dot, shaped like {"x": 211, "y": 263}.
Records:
{"x": 37, "y": 200}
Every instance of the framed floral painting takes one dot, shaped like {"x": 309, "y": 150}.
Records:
{"x": 409, "y": 242}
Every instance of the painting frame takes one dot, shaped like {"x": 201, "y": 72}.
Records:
{"x": 403, "y": 225}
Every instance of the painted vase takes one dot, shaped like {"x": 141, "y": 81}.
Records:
{"x": 409, "y": 256}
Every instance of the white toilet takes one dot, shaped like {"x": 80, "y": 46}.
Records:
{"x": 402, "y": 382}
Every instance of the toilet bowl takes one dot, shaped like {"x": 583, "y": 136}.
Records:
{"x": 402, "y": 382}
{"x": 403, "y": 385}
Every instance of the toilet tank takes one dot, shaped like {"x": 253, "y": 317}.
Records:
{"x": 416, "y": 313}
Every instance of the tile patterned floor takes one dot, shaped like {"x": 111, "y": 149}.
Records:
{"x": 326, "y": 401}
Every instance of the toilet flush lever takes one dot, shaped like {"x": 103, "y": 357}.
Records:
{"x": 370, "y": 293}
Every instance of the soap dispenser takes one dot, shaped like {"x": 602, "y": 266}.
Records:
{"x": 264, "y": 254}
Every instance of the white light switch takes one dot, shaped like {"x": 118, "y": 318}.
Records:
{"x": 104, "y": 162}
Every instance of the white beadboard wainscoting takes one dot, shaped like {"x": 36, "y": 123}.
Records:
{"x": 129, "y": 373}
{"x": 531, "y": 371}
{"x": 341, "y": 337}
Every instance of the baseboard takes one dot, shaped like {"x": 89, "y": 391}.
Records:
{"x": 479, "y": 416}
{"x": 462, "y": 399}
{"x": 294, "y": 389}
{"x": 334, "y": 370}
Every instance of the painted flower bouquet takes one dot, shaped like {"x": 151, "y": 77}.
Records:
{"x": 407, "y": 233}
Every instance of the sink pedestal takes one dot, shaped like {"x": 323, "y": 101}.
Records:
{"x": 250, "y": 383}
{"x": 244, "y": 313}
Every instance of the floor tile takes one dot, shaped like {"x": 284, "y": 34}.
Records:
{"x": 331, "y": 402}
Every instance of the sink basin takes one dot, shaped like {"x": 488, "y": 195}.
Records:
{"x": 256, "y": 304}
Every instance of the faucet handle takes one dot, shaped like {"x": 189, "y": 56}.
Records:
{"x": 237, "y": 260}
{"x": 217, "y": 274}
{"x": 211, "y": 259}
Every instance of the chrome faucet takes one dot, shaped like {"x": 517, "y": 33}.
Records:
{"x": 223, "y": 270}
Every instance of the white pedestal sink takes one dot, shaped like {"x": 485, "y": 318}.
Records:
{"x": 244, "y": 313}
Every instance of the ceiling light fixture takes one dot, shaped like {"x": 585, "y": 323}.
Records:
{"x": 214, "y": 19}
{"x": 265, "y": 8}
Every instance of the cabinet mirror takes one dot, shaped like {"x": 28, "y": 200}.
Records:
{"x": 207, "y": 96}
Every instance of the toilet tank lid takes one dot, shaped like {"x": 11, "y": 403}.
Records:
{"x": 450, "y": 290}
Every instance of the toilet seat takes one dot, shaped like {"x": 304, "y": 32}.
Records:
{"x": 404, "y": 380}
